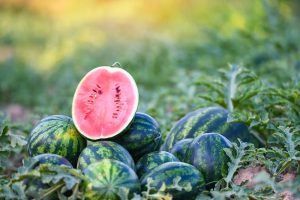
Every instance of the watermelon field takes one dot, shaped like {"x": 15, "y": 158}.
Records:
{"x": 150, "y": 100}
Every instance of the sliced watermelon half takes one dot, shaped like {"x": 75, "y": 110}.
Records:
{"x": 105, "y": 102}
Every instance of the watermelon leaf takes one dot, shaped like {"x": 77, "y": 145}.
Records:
{"x": 17, "y": 140}
{"x": 12, "y": 141}
{"x": 59, "y": 178}
{"x": 288, "y": 155}
{"x": 237, "y": 86}
{"x": 16, "y": 191}
{"x": 235, "y": 154}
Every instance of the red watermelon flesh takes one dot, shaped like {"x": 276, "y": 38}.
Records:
{"x": 105, "y": 102}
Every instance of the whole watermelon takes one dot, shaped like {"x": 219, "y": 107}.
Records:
{"x": 207, "y": 154}
{"x": 180, "y": 149}
{"x": 34, "y": 185}
{"x": 208, "y": 120}
{"x": 95, "y": 151}
{"x": 152, "y": 160}
{"x": 110, "y": 179}
{"x": 174, "y": 175}
{"x": 143, "y": 136}
{"x": 56, "y": 134}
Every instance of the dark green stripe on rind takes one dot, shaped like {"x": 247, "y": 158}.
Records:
{"x": 190, "y": 178}
{"x": 219, "y": 119}
{"x": 207, "y": 154}
{"x": 142, "y": 137}
{"x": 188, "y": 121}
{"x": 58, "y": 135}
{"x": 41, "y": 133}
{"x": 106, "y": 179}
{"x": 202, "y": 122}
{"x": 40, "y": 143}
{"x": 39, "y": 130}
{"x": 104, "y": 149}
{"x": 152, "y": 160}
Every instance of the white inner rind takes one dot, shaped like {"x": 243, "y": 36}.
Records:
{"x": 136, "y": 93}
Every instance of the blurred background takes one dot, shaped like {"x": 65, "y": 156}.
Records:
{"x": 46, "y": 47}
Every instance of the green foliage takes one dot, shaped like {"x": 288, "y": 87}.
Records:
{"x": 58, "y": 180}
{"x": 235, "y": 88}
{"x": 161, "y": 194}
{"x": 242, "y": 155}
{"x": 12, "y": 142}
{"x": 284, "y": 152}
{"x": 235, "y": 161}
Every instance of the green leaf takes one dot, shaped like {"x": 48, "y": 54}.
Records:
{"x": 17, "y": 140}
{"x": 235, "y": 154}
{"x": 19, "y": 189}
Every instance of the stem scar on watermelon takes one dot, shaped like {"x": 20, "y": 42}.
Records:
{"x": 104, "y": 102}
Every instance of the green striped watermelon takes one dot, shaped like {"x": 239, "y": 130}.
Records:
{"x": 207, "y": 154}
{"x": 49, "y": 158}
{"x": 110, "y": 179}
{"x": 180, "y": 149}
{"x": 95, "y": 151}
{"x": 181, "y": 180}
{"x": 143, "y": 136}
{"x": 33, "y": 185}
{"x": 56, "y": 134}
{"x": 152, "y": 160}
{"x": 207, "y": 120}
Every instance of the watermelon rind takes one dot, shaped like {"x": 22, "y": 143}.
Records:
{"x": 56, "y": 134}
{"x": 142, "y": 136}
{"x": 180, "y": 149}
{"x": 53, "y": 159}
{"x": 110, "y": 179}
{"x": 96, "y": 151}
{"x": 208, "y": 120}
{"x": 188, "y": 178}
{"x": 152, "y": 160}
{"x": 207, "y": 154}
{"x": 34, "y": 185}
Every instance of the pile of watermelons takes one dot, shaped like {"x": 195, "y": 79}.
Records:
{"x": 119, "y": 149}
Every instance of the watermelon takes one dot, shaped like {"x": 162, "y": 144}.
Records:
{"x": 180, "y": 148}
{"x": 49, "y": 158}
{"x": 56, "y": 134}
{"x": 184, "y": 175}
{"x": 110, "y": 179}
{"x": 207, "y": 154}
{"x": 33, "y": 185}
{"x": 143, "y": 136}
{"x": 208, "y": 120}
{"x": 104, "y": 102}
{"x": 96, "y": 151}
{"x": 152, "y": 160}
